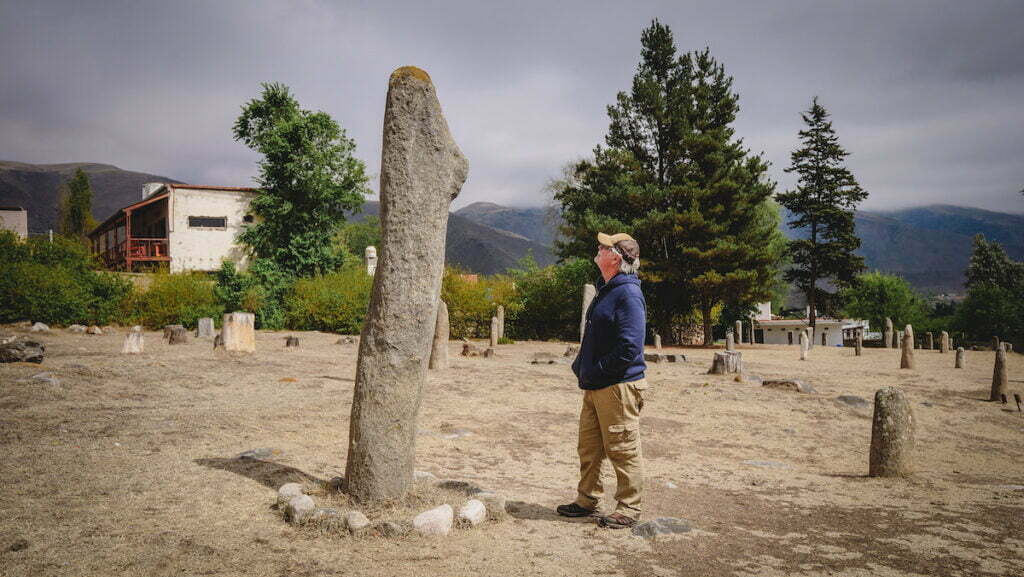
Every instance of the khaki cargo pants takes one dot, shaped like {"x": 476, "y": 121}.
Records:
{"x": 610, "y": 427}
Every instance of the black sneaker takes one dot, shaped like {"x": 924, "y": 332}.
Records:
{"x": 573, "y": 510}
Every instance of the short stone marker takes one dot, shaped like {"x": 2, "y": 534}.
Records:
{"x": 488, "y": 353}
{"x": 730, "y": 342}
{"x": 205, "y": 328}
{"x": 437, "y": 521}
{"x": 1000, "y": 376}
{"x": 661, "y": 526}
{"x": 804, "y": 345}
{"x": 500, "y": 315}
{"x": 439, "y": 345}
{"x": 726, "y": 362}
{"x": 888, "y": 336}
{"x": 960, "y": 357}
{"x": 907, "y": 355}
{"x": 858, "y": 342}
{"x": 738, "y": 332}
{"x": 179, "y": 336}
{"x": 657, "y": 341}
{"x": 290, "y": 342}
{"x": 892, "y": 435}
{"x": 168, "y": 329}
{"x": 218, "y": 341}
{"x": 238, "y": 330}
{"x": 943, "y": 342}
{"x": 133, "y": 342}
{"x": 929, "y": 342}
{"x": 494, "y": 332}
{"x": 371, "y": 260}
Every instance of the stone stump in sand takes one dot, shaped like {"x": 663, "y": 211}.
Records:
{"x": 589, "y": 292}
{"x": 168, "y": 329}
{"x": 179, "y": 336}
{"x": 439, "y": 346}
{"x": 907, "y": 355}
{"x": 205, "y": 328}
{"x": 1000, "y": 376}
{"x": 133, "y": 342}
{"x": 421, "y": 172}
{"x": 892, "y": 435}
{"x": 887, "y": 336}
{"x": 290, "y": 342}
{"x": 943, "y": 342}
{"x": 960, "y": 354}
{"x": 501, "y": 322}
{"x": 238, "y": 332}
{"x": 929, "y": 342}
{"x": 726, "y": 362}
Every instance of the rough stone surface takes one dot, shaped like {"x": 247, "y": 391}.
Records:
{"x": 392, "y": 529}
{"x": 437, "y": 521}
{"x": 287, "y": 492}
{"x": 299, "y": 509}
{"x": 795, "y": 385}
{"x": 17, "y": 351}
{"x": 730, "y": 342}
{"x": 76, "y": 329}
{"x": 472, "y": 513}
{"x": 179, "y": 336}
{"x": 907, "y": 350}
{"x": 439, "y": 345}
{"x": 494, "y": 332}
{"x": 494, "y": 503}
{"x": 421, "y": 172}
{"x": 488, "y": 352}
{"x": 291, "y": 342}
{"x": 657, "y": 341}
{"x": 661, "y": 526}
{"x": 854, "y": 401}
{"x": 470, "y": 350}
{"x": 133, "y": 342}
{"x": 94, "y": 330}
{"x": 589, "y": 292}
{"x": 1000, "y": 376}
{"x": 327, "y": 519}
{"x": 40, "y": 328}
{"x": 238, "y": 332}
{"x": 726, "y": 362}
{"x": 371, "y": 260}
{"x": 892, "y": 435}
{"x": 960, "y": 357}
{"x": 804, "y": 345}
{"x": 887, "y": 335}
{"x": 943, "y": 342}
{"x": 929, "y": 341}
{"x": 356, "y": 521}
{"x": 501, "y": 321}
{"x": 168, "y": 329}
{"x": 205, "y": 328}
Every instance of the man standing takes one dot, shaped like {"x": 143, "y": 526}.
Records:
{"x": 610, "y": 369}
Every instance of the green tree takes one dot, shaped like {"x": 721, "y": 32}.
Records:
{"x": 551, "y": 298}
{"x": 354, "y": 237}
{"x": 822, "y": 208}
{"x": 995, "y": 295}
{"x": 991, "y": 266}
{"x": 308, "y": 179}
{"x": 875, "y": 296}
{"x": 75, "y": 207}
{"x": 673, "y": 174}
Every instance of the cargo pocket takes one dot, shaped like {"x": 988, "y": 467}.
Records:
{"x": 624, "y": 437}
{"x": 639, "y": 389}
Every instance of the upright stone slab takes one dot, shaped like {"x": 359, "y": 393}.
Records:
{"x": 657, "y": 341}
{"x": 750, "y": 333}
{"x": 494, "y": 332}
{"x": 1000, "y": 376}
{"x": 892, "y": 435}
{"x": 907, "y": 355}
{"x": 179, "y": 336}
{"x": 887, "y": 335}
{"x": 501, "y": 322}
{"x": 929, "y": 342}
{"x": 730, "y": 342}
{"x": 371, "y": 260}
{"x": 422, "y": 171}
{"x": 205, "y": 328}
{"x": 133, "y": 342}
{"x": 439, "y": 346}
{"x": 726, "y": 362}
{"x": 943, "y": 342}
{"x": 589, "y": 292}
{"x": 858, "y": 342}
{"x": 803, "y": 345}
{"x": 737, "y": 332}
{"x": 238, "y": 332}
{"x": 960, "y": 354}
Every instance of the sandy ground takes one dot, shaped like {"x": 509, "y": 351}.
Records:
{"x": 126, "y": 466}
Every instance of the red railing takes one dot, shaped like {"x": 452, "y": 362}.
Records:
{"x": 139, "y": 249}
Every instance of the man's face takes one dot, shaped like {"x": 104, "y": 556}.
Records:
{"x": 605, "y": 257}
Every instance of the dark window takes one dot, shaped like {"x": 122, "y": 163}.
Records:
{"x": 207, "y": 222}
{"x": 247, "y": 218}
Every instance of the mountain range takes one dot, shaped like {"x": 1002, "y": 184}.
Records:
{"x": 929, "y": 246}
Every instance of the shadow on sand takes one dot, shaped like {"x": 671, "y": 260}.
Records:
{"x": 535, "y": 512}
{"x": 268, "y": 473}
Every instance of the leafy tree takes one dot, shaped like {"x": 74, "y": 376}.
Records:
{"x": 551, "y": 298}
{"x": 75, "y": 208}
{"x": 875, "y": 296}
{"x": 673, "y": 175}
{"x": 995, "y": 295}
{"x": 822, "y": 207}
{"x": 354, "y": 237}
{"x": 308, "y": 180}
{"x": 991, "y": 266}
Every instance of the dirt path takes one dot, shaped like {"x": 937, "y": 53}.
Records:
{"x": 126, "y": 466}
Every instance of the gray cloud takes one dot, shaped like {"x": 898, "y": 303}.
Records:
{"x": 923, "y": 94}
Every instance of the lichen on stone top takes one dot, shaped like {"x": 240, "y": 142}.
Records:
{"x": 411, "y": 71}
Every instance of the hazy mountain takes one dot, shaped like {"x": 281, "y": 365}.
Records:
{"x": 532, "y": 223}
{"x": 35, "y": 187}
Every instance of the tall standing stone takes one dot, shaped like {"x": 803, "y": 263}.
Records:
{"x": 238, "y": 331}
{"x": 943, "y": 342}
{"x": 803, "y": 345}
{"x": 501, "y": 322}
{"x": 730, "y": 342}
{"x": 657, "y": 341}
{"x": 892, "y": 435}
{"x": 494, "y": 331}
{"x": 960, "y": 354}
{"x": 887, "y": 336}
{"x": 750, "y": 335}
{"x": 422, "y": 171}
{"x": 858, "y": 341}
{"x": 133, "y": 342}
{"x": 738, "y": 332}
{"x": 589, "y": 292}
{"x": 371, "y": 260}
{"x": 907, "y": 355}
{"x": 204, "y": 328}
{"x": 1000, "y": 376}
{"x": 929, "y": 341}
{"x": 442, "y": 330}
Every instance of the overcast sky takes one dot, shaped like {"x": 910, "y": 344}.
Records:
{"x": 925, "y": 95}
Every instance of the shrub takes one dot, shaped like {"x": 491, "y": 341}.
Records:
{"x": 260, "y": 290}
{"x": 473, "y": 299}
{"x": 550, "y": 299}
{"x": 334, "y": 302}
{"x": 181, "y": 298}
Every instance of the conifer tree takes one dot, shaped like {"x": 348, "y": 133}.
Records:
{"x": 822, "y": 208}
{"x": 674, "y": 176}
{"x": 75, "y": 208}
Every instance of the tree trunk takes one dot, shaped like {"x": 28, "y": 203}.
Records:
{"x": 709, "y": 337}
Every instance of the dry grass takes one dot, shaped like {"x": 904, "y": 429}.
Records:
{"x": 128, "y": 466}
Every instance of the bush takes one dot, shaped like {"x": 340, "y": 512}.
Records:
{"x": 261, "y": 290}
{"x": 55, "y": 284}
{"x": 550, "y": 299}
{"x": 334, "y": 302}
{"x": 473, "y": 299}
{"x": 181, "y": 299}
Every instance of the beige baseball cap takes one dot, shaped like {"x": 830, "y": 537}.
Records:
{"x": 622, "y": 242}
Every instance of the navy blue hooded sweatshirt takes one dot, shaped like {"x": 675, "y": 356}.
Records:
{"x": 612, "y": 350}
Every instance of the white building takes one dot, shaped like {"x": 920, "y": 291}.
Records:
{"x": 186, "y": 226}
{"x": 827, "y": 332}
{"x": 14, "y": 218}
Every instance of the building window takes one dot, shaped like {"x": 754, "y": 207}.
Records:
{"x": 207, "y": 222}
{"x": 247, "y": 218}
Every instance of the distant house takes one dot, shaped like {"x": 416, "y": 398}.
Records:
{"x": 828, "y": 332}
{"x": 14, "y": 218}
{"x": 186, "y": 226}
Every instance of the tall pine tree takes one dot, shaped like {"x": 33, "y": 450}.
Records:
{"x": 822, "y": 208}
{"x": 75, "y": 207}
{"x": 673, "y": 175}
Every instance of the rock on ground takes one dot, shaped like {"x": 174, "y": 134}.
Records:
{"x": 40, "y": 328}
{"x": 437, "y": 521}
{"x": 356, "y": 521}
{"x": 854, "y": 401}
{"x": 287, "y": 492}
{"x": 472, "y": 513}
{"x": 794, "y": 385}
{"x": 494, "y": 503}
{"x": 22, "y": 352}
{"x": 299, "y": 509}
{"x": 662, "y": 526}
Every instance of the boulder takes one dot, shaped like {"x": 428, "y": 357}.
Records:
{"x": 40, "y": 328}
{"x": 94, "y": 330}
{"x": 299, "y": 509}
{"x": 327, "y": 519}
{"x": 17, "y": 351}
{"x": 795, "y": 385}
{"x": 76, "y": 329}
{"x": 470, "y": 350}
{"x": 472, "y": 513}
{"x": 287, "y": 492}
{"x": 437, "y": 521}
{"x": 356, "y": 522}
